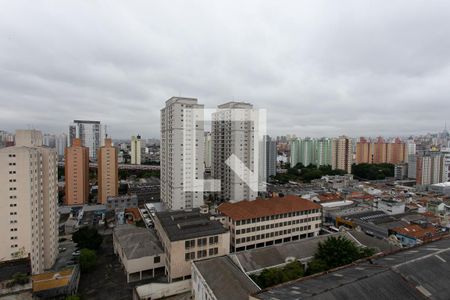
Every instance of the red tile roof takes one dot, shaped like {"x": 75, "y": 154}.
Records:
{"x": 245, "y": 209}
{"x": 415, "y": 231}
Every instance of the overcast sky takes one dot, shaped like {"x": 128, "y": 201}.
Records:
{"x": 320, "y": 68}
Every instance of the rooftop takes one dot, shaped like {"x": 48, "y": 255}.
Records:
{"x": 52, "y": 280}
{"x": 253, "y": 261}
{"x": 417, "y": 273}
{"x": 137, "y": 242}
{"x": 10, "y": 267}
{"x": 415, "y": 231}
{"x": 245, "y": 209}
{"x": 225, "y": 279}
{"x": 182, "y": 225}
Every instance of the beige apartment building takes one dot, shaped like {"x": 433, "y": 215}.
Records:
{"x": 108, "y": 172}
{"x": 77, "y": 173}
{"x": 264, "y": 222}
{"x": 28, "y": 201}
{"x": 135, "y": 150}
{"x": 187, "y": 236}
{"x": 341, "y": 154}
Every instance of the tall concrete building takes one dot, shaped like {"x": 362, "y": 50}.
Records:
{"x": 108, "y": 176}
{"x": 270, "y": 149}
{"x": 77, "y": 173}
{"x": 342, "y": 154}
{"x": 395, "y": 152}
{"x": 430, "y": 168}
{"x": 311, "y": 151}
{"x": 91, "y": 134}
{"x": 364, "y": 151}
{"x": 323, "y": 152}
{"x": 208, "y": 151}
{"x": 61, "y": 144}
{"x": 136, "y": 150}
{"x": 28, "y": 201}
{"x": 232, "y": 133}
{"x": 182, "y": 150}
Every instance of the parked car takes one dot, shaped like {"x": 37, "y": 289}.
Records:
{"x": 76, "y": 253}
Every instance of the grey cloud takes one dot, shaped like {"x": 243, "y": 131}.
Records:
{"x": 320, "y": 68}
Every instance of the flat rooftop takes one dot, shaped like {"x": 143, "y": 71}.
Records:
{"x": 52, "y": 280}
{"x": 255, "y": 260}
{"x": 137, "y": 242}
{"x": 183, "y": 225}
{"x": 415, "y": 273}
{"x": 225, "y": 279}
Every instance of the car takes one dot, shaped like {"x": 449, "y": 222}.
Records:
{"x": 62, "y": 249}
{"x": 76, "y": 253}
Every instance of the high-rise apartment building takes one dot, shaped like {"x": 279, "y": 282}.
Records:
{"x": 395, "y": 152}
{"x": 208, "y": 151}
{"x": 311, "y": 151}
{"x": 61, "y": 144}
{"x": 430, "y": 168}
{"x": 233, "y": 133}
{"x": 108, "y": 176}
{"x": 77, "y": 173}
{"x": 136, "y": 150}
{"x": 28, "y": 201}
{"x": 364, "y": 151}
{"x": 91, "y": 134}
{"x": 270, "y": 149}
{"x": 182, "y": 150}
{"x": 342, "y": 154}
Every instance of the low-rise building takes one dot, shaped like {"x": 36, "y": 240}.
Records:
{"x": 187, "y": 236}
{"x": 404, "y": 275}
{"x": 139, "y": 251}
{"x": 264, "y": 222}
{"x": 121, "y": 202}
{"x": 391, "y": 207}
{"x": 56, "y": 285}
{"x": 220, "y": 279}
{"x": 413, "y": 234}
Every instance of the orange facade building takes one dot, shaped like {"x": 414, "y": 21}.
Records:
{"x": 107, "y": 172}
{"x": 76, "y": 173}
{"x": 381, "y": 152}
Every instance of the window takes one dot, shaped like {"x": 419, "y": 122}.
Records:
{"x": 201, "y": 242}
{"x": 189, "y": 256}
{"x": 213, "y": 251}
{"x": 189, "y": 244}
{"x": 156, "y": 259}
{"x": 201, "y": 253}
{"x": 213, "y": 240}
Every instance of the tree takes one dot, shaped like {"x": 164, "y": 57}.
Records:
{"x": 339, "y": 251}
{"x": 373, "y": 171}
{"x": 274, "y": 276}
{"x": 20, "y": 278}
{"x": 88, "y": 260}
{"x": 87, "y": 237}
{"x": 73, "y": 297}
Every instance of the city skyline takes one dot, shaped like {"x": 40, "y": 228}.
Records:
{"x": 386, "y": 74}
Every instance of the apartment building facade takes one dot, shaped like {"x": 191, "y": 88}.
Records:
{"x": 342, "y": 154}
{"x": 108, "y": 172}
{"x": 91, "y": 134}
{"x": 28, "y": 201}
{"x": 187, "y": 236}
{"x": 233, "y": 133}
{"x": 136, "y": 150}
{"x": 264, "y": 222}
{"x": 76, "y": 173}
{"x": 181, "y": 153}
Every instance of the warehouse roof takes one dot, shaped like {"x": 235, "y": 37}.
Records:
{"x": 245, "y": 209}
